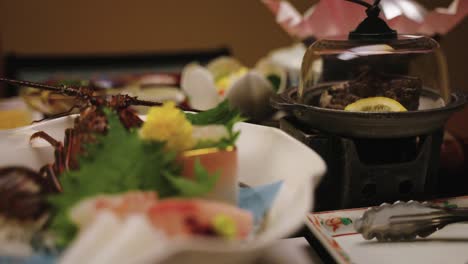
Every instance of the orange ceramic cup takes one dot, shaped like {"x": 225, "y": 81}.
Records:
{"x": 213, "y": 160}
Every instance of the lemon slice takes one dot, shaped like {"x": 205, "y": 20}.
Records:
{"x": 376, "y": 104}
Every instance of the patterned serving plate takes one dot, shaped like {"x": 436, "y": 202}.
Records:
{"x": 265, "y": 155}
{"x": 335, "y": 232}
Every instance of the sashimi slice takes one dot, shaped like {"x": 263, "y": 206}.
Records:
{"x": 122, "y": 205}
{"x": 213, "y": 133}
{"x": 136, "y": 236}
{"x": 188, "y": 217}
{"x": 91, "y": 240}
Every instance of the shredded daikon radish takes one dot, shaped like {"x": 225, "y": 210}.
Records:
{"x": 16, "y": 236}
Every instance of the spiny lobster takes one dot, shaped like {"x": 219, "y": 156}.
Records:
{"x": 91, "y": 121}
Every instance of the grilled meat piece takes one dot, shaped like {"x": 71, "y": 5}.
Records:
{"x": 404, "y": 89}
{"x": 338, "y": 97}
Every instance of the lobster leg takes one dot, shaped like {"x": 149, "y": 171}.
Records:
{"x": 50, "y": 179}
{"x": 72, "y": 149}
{"x": 68, "y": 112}
{"x": 129, "y": 118}
{"x": 65, "y": 158}
{"x": 46, "y": 137}
{"x": 59, "y": 164}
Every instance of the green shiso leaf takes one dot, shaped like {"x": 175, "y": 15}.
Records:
{"x": 223, "y": 114}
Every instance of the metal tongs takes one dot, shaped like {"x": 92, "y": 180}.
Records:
{"x": 406, "y": 220}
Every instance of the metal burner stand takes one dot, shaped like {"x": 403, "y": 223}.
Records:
{"x": 365, "y": 172}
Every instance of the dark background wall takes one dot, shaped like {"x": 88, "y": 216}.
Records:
{"x": 122, "y": 26}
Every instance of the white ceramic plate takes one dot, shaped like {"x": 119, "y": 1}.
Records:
{"x": 336, "y": 233}
{"x": 265, "y": 155}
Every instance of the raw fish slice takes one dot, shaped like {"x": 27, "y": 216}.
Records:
{"x": 91, "y": 240}
{"x": 136, "y": 236}
{"x": 183, "y": 217}
{"x": 209, "y": 133}
{"x": 121, "y": 205}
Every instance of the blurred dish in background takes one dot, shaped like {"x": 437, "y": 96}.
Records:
{"x": 48, "y": 102}
{"x": 249, "y": 90}
{"x": 290, "y": 59}
{"x": 158, "y": 94}
{"x": 14, "y": 113}
{"x": 157, "y": 87}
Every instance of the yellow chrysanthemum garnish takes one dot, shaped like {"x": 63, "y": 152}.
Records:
{"x": 167, "y": 123}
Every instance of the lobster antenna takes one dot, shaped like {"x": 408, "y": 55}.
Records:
{"x": 69, "y": 90}
{"x": 64, "y": 89}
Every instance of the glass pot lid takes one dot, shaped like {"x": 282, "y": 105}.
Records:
{"x": 392, "y": 72}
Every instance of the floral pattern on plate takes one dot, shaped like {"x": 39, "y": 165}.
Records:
{"x": 330, "y": 225}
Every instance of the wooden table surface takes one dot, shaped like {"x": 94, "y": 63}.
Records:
{"x": 291, "y": 251}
